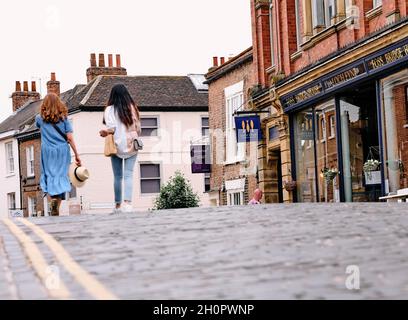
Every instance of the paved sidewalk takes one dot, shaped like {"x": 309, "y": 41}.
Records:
{"x": 298, "y": 251}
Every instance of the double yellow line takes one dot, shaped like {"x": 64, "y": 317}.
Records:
{"x": 86, "y": 280}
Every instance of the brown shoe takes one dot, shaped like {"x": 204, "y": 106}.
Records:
{"x": 54, "y": 207}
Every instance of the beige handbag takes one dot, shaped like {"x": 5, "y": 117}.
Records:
{"x": 110, "y": 146}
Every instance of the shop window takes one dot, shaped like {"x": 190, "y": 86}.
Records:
{"x": 149, "y": 126}
{"x": 395, "y": 130}
{"x": 305, "y": 155}
{"x": 150, "y": 178}
{"x": 326, "y": 155}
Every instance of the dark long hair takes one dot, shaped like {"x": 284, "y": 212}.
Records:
{"x": 121, "y": 100}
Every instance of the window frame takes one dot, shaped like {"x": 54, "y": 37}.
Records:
{"x": 32, "y": 205}
{"x": 332, "y": 126}
{"x": 231, "y": 93}
{"x": 207, "y": 187}
{"x": 9, "y": 202}
{"x": 150, "y": 178}
{"x": 377, "y": 4}
{"x": 10, "y": 161}
{"x": 231, "y": 197}
{"x": 205, "y": 127}
{"x": 150, "y": 127}
{"x": 30, "y": 161}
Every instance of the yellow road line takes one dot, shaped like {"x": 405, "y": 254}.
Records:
{"x": 38, "y": 262}
{"x": 93, "y": 286}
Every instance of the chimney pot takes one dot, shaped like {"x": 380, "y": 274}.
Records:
{"x": 33, "y": 86}
{"x": 25, "y": 86}
{"x": 110, "y": 60}
{"x": 215, "y": 61}
{"x": 53, "y": 77}
{"x": 18, "y": 86}
{"x": 101, "y": 60}
{"x": 222, "y": 60}
{"x": 93, "y": 60}
{"x": 118, "y": 63}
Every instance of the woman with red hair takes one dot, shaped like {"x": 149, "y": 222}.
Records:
{"x": 56, "y": 137}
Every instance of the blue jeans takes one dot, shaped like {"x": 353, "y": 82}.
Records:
{"x": 117, "y": 166}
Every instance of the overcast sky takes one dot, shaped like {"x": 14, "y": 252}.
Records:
{"x": 158, "y": 37}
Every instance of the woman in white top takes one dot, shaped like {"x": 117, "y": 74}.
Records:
{"x": 122, "y": 119}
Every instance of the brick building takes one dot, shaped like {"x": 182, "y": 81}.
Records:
{"x": 335, "y": 75}
{"x": 234, "y": 173}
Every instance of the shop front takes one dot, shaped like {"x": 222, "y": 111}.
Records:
{"x": 349, "y": 128}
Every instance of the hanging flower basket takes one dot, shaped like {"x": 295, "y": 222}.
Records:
{"x": 289, "y": 185}
{"x": 371, "y": 165}
{"x": 329, "y": 174}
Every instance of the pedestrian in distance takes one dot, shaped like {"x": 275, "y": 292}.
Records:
{"x": 257, "y": 197}
{"x": 56, "y": 137}
{"x": 122, "y": 121}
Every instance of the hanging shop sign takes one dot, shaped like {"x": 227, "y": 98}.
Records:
{"x": 200, "y": 158}
{"x": 248, "y": 129}
{"x": 386, "y": 58}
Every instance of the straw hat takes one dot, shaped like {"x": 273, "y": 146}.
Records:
{"x": 78, "y": 175}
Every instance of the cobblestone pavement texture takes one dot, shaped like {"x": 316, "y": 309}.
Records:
{"x": 298, "y": 251}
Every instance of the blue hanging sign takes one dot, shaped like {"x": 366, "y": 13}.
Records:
{"x": 248, "y": 129}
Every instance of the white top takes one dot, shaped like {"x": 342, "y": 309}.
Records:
{"x": 123, "y": 136}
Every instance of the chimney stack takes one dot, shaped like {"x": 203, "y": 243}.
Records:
{"x": 93, "y": 60}
{"x": 101, "y": 60}
{"x": 53, "y": 86}
{"x": 21, "y": 97}
{"x": 102, "y": 70}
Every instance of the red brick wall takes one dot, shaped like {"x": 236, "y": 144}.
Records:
{"x": 217, "y": 121}
{"x": 31, "y": 186}
{"x": 285, "y": 31}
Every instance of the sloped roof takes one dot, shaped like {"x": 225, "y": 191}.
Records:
{"x": 149, "y": 92}
{"x": 19, "y": 118}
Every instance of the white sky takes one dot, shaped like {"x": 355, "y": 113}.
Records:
{"x": 156, "y": 37}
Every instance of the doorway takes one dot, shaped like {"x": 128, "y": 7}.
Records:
{"x": 275, "y": 192}
{"x": 360, "y": 144}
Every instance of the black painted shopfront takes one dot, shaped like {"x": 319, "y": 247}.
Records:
{"x": 349, "y": 130}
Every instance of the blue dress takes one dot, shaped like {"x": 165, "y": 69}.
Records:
{"x": 55, "y": 157}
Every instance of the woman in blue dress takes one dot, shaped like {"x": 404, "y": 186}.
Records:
{"x": 56, "y": 137}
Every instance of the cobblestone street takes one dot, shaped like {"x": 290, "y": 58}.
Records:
{"x": 298, "y": 251}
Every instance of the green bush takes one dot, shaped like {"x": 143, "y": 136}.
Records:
{"x": 176, "y": 194}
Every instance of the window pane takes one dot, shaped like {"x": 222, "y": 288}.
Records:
{"x": 148, "y": 132}
{"x": 205, "y": 122}
{"x": 304, "y": 149}
{"x": 150, "y": 171}
{"x": 395, "y": 139}
{"x": 148, "y": 122}
{"x": 150, "y": 186}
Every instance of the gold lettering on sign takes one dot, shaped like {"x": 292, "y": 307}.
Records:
{"x": 376, "y": 63}
{"x": 342, "y": 77}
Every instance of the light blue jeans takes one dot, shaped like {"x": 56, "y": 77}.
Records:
{"x": 117, "y": 166}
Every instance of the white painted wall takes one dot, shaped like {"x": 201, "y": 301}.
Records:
{"x": 8, "y": 183}
{"x": 171, "y": 149}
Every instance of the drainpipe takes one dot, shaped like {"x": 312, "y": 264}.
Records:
{"x": 19, "y": 174}
{"x": 279, "y": 64}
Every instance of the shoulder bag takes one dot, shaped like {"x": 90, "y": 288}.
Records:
{"x": 110, "y": 146}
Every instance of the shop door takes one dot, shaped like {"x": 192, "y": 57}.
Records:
{"x": 360, "y": 145}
